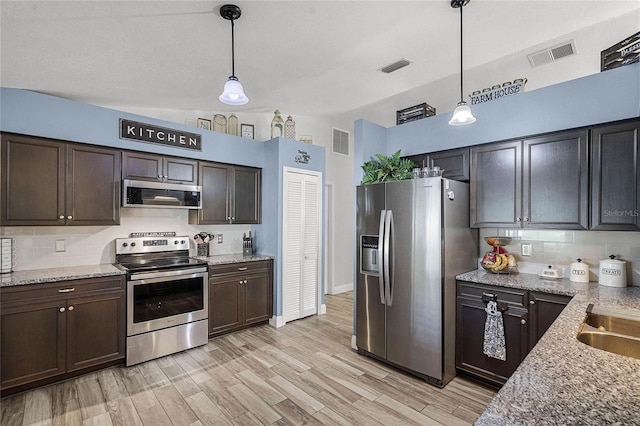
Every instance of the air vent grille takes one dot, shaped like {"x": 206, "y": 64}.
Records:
{"x": 395, "y": 66}
{"x": 340, "y": 142}
{"x": 552, "y": 54}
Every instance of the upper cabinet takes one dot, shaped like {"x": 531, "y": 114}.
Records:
{"x": 142, "y": 166}
{"x": 454, "y": 162}
{"x": 615, "y": 177}
{"x": 230, "y": 194}
{"x": 49, "y": 182}
{"x": 540, "y": 182}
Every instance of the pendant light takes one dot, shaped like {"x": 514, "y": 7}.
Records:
{"x": 233, "y": 93}
{"x": 462, "y": 114}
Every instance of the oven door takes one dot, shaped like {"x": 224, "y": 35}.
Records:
{"x": 157, "y": 300}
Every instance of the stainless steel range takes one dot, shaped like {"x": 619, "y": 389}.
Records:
{"x": 167, "y": 295}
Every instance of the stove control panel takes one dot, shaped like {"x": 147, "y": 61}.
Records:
{"x": 151, "y": 244}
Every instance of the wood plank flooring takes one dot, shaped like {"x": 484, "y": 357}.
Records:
{"x": 302, "y": 373}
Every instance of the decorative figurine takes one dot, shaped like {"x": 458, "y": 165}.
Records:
{"x": 290, "y": 128}
{"x": 277, "y": 125}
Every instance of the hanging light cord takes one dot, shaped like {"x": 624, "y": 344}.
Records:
{"x": 461, "y": 96}
{"x": 233, "y": 52}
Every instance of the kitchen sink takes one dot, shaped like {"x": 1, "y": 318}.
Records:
{"x": 611, "y": 330}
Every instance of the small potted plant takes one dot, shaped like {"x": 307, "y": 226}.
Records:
{"x": 384, "y": 169}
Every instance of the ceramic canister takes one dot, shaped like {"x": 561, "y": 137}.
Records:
{"x": 579, "y": 272}
{"x": 613, "y": 272}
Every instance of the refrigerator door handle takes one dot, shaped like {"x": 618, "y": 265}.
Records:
{"x": 389, "y": 261}
{"x": 381, "y": 283}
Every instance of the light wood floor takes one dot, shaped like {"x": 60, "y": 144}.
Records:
{"x": 302, "y": 373}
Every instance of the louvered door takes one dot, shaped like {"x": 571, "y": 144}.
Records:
{"x": 301, "y": 243}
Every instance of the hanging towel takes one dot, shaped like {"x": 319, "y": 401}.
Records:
{"x": 494, "y": 345}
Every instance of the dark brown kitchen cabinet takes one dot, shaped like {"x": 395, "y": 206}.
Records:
{"x": 540, "y": 182}
{"x": 151, "y": 167}
{"x": 470, "y": 321}
{"x": 615, "y": 177}
{"x": 55, "y": 331}
{"x": 454, "y": 162}
{"x": 230, "y": 194}
{"x": 49, "y": 182}
{"x": 544, "y": 308}
{"x": 240, "y": 296}
{"x": 526, "y": 316}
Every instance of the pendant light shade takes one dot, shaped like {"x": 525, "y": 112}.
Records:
{"x": 233, "y": 93}
{"x": 462, "y": 114}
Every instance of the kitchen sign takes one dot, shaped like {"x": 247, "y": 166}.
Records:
{"x": 498, "y": 92}
{"x": 155, "y": 134}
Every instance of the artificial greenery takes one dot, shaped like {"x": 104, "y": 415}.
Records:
{"x": 384, "y": 169}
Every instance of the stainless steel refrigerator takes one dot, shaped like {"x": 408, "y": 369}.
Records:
{"x": 413, "y": 238}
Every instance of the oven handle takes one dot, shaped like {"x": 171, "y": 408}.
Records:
{"x": 164, "y": 274}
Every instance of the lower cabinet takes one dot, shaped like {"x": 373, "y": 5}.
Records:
{"x": 50, "y": 331}
{"x": 240, "y": 296}
{"x": 524, "y": 323}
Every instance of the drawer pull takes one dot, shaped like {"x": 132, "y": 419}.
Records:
{"x": 244, "y": 268}
{"x": 62, "y": 309}
{"x": 66, "y": 290}
{"x": 489, "y": 297}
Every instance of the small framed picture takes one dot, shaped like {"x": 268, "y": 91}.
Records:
{"x": 246, "y": 131}
{"x": 204, "y": 123}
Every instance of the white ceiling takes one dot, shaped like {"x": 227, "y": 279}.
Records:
{"x": 311, "y": 57}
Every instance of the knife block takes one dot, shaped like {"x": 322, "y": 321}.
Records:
{"x": 202, "y": 249}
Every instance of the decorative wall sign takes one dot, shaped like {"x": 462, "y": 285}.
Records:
{"x": 498, "y": 92}
{"x": 155, "y": 134}
{"x": 220, "y": 123}
{"x": 303, "y": 157}
{"x": 415, "y": 112}
{"x": 246, "y": 131}
{"x": 232, "y": 125}
{"x": 624, "y": 53}
{"x": 204, "y": 123}
{"x": 306, "y": 139}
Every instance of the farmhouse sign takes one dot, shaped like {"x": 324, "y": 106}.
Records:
{"x": 155, "y": 134}
{"x": 498, "y": 92}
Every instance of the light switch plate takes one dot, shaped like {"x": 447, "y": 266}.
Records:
{"x": 526, "y": 249}
{"x": 60, "y": 245}
{"x": 220, "y": 239}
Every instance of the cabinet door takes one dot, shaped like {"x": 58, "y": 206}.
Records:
{"x": 470, "y": 358}
{"x": 544, "y": 308}
{"x": 95, "y": 330}
{"x": 225, "y": 304}
{"x": 32, "y": 338}
{"x": 496, "y": 185}
{"x": 180, "y": 170}
{"x": 246, "y": 195}
{"x": 93, "y": 186}
{"x": 140, "y": 166}
{"x": 454, "y": 162}
{"x": 556, "y": 181}
{"x": 615, "y": 177}
{"x": 258, "y": 299}
{"x": 33, "y": 181}
{"x": 214, "y": 179}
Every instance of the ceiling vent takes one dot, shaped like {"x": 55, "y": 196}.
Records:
{"x": 395, "y": 66}
{"x": 551, "y": 54}
{"x": 340, "y": 142}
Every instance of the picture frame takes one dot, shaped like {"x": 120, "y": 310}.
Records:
{"x": 247, "y": 131}
{"x": 204, "y": 123}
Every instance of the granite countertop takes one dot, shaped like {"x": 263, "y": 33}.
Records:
{"x": 52, "y": 275}
{"x": 564, "y": 381}
{"x": 233, "y": 258}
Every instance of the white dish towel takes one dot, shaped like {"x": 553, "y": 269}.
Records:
{"x": 494, "y": 345}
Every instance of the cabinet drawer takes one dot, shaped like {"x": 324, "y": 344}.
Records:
{"x": 240, "y": 268}
{"x": 513, "y": 297}
{"x": 61, "y": 290}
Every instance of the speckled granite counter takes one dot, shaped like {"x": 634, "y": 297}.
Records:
{"x": 563, "y": 381}
{"x": 233, "y": 258}
{"x": 51, "y": 275}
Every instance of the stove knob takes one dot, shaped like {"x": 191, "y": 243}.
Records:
{"x": 133, "y": 244}
{"x": 124, "y": 244}
{"x": 175, "y": 242}
{"x": 181, "y": 241}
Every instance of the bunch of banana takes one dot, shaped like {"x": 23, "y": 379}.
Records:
{"x": 501, "y": 262}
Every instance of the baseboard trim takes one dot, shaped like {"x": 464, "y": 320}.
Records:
{"x": 276, "y": 321}
{"x": 323, "y": 309}
{"x": 353, "y": 343}
{"x": 342, "y": 288}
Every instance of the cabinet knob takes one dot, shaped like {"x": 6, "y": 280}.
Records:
{"x": 62, "y": 309}
{"x": 518, "y": 219}
{"x": 532, "y": 302}
{"x": 526, "y": 219}
{"x": 61, "y": 217}
{"x": 69, "y": 217}
{"x": 71, "y": 308}
{"x": 523, "y": 321}
{"x": 245, "y": 281}
{"x": 241, "y": 281}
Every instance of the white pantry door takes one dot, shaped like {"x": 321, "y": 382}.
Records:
{"x": 301, "y": 243}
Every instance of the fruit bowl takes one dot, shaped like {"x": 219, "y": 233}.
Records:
{"x": 498, "y": 241}
{"x": 499, "y": 262}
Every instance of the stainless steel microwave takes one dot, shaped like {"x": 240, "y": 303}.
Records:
{"x": 138, "y": 193}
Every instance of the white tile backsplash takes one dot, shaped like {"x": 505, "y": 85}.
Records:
{"x": 560, "y": 248}
{"x": 91, "y": 245}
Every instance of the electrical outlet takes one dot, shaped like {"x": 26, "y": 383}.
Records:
{"x": 526, "y": 249}
{"x": 60, "y": 245}
{"x": 220, "y": 239}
